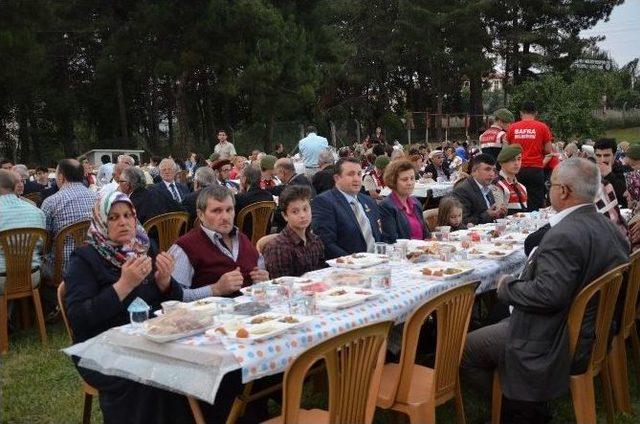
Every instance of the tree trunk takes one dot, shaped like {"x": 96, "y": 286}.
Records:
{"x": 124, "y": 133}
{"x": 475, "y": 102}
{"x": 24, "y": 136}
{"x": 185, "y": 139}
{"x": 438, "y": 117}
{"x": 154, "y": 119}
{"x": 268, "y": 140}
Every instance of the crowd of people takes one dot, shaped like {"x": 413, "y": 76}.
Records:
{"x": 330, "y": 204}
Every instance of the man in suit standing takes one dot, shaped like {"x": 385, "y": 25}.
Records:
{"x": 169, "y": 185}
{"x": 479, "y": 205}
{"x": 530, "y": 348}
{"x": 346, "y": 220}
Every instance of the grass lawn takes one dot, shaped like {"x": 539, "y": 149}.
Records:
{"x": 632, "y": 135}
{"x": 40, "y": 385}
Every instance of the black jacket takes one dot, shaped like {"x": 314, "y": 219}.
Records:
{"x": 189, "y": 204}
{"x": 183, "y": 190}
{"x": 474, "y": 205}
{"x": 395, "y": 224}
{"x": 617, "y": 180}
{"x": 434, "y": 173}
{"x": 323, "y": 179}
{"x": 151, "y": 203}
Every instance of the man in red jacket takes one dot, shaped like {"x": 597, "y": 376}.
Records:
{"x": 535, "y": 139}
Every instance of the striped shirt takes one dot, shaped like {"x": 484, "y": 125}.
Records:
{"x": 72, "y": 203}
{"x": 16, "y": 213}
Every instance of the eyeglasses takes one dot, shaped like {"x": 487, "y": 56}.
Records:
{"x": 560, "y": 185}
{"x": 121, "y": 181}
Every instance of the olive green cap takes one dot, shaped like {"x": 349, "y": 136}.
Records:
{"x": 268, "y": 162}
{"x": 509, "y": 152}
{"x": 382, "y": 161}
{"x": 504, "y": 115}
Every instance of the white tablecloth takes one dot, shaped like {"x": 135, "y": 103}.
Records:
{"x": 422, "y": 190}
{"x": 195, "y": 365}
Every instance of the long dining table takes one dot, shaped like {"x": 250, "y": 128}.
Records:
{"x": 194, "y": 366}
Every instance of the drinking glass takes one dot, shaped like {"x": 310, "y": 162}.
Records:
{"x": 259, "y": 292}
{"x": 445, "y": 230}
{"x": 381, "y": 279}
{"x": 437, "y": 235}
{"x": 381, "y": 248}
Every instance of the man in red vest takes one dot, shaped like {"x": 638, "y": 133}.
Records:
{"x": 492, "y": 139}
{"x": 535, "y": 139}
{"x": 215, "y": 259}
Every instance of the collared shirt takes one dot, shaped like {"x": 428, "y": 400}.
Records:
{"x": 288, "y": 255}
{"x": 108, "y": 188}
{"x": 175, "y": 187}
{"x": 72, "y": 203}
{"x": 485, "y": 191}
{"x": 310, "y": 147}
{"x": 183, "y": 270}
{"x": 555, "y": 219}
{"x": 225, "y": 150}
{"x": 15, "y": 213}
{"x": 351, "y": 198}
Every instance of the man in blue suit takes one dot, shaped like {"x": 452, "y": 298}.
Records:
{"x": 169, "y": 185}
{"x": 346, "y": 220}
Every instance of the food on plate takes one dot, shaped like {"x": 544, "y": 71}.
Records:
{"x": 475, "y": 252}
{"x": 437, "y": 273}
{"x": 358, "y": 255}
{"x": 465, "y": 244}
{"x": 520, "y": 215}
{"x": 221, "y": 330}
{"x": 178, "y": 322}
{"x": 496, "y": 253}
{"x": 242, "y": 333}
{"x": 340, "y": 292}
{"x": 415, "y": 255}
{"x": 494, "y": 233}
{"x": 317, "y": 287}
{"x": 289, "y": 320}
{"x": 427, "y": 271}
{"x": 452, "y": 271}
{"x": 202, "y": 302}
{"x": 261, "y": 319}
{"x": 363, "y": 292}
{"x": 525, "y": 231}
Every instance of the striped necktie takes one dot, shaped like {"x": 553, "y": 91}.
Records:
{"x": 174, "y": 192}
{"x": 365, "y": 226}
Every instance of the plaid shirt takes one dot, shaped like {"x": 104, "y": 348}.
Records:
{"x": 16, "y": 213}
{"x": 288, "y": 255}
{"x": 72, "y": 203}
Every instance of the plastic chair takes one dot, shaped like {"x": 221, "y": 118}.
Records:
{"x": 417, "y": 390}
{"x": 18, "y": 246}
{"x": 170, "y": 227}
{"x": 354, "y": 362}
{"x": 606, "y": 289}
{"x": 431, "y": 218}
{"x": 618, "y": 355}
{"x": 88, "y": 390}
{"x": 264, "y": 241}
{"x": 261, "y": 213}
{"x": 34, "y": 197}
{"x": 78, "y": 233}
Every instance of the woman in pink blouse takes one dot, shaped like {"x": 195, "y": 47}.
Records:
{"x": 401, "y": 212}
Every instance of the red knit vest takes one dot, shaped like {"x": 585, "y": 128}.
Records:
{"x": 209, "y": 263}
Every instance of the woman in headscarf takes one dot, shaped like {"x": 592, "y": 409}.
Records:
{"x": 103, "y": 277}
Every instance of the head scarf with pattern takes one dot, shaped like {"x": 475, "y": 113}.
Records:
{"x": 113, "y": 252}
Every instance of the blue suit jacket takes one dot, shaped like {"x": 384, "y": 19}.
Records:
{"x": 395, "y": 224}
{"x": 183, "y": 190}
{"x": 335, "y": 223}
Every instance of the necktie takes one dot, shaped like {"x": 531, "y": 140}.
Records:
{"x": 174, "y": 192}
{"x": 490, "y": 198}
{"x": 365, "y": 226}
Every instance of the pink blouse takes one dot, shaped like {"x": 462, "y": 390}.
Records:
{"x": 416, "y": 230}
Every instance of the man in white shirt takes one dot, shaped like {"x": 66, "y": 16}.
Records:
{"x": 224, "y": 148}
{"x": 310, "y": 147}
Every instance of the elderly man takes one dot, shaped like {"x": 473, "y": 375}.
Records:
{"x": 310, "y": 147}
{"x": 492, "y": 140}
{"x": 124, "y": 162}
{"x": 286, "y": 173}
{"x": 203, "y": 177}
{"x": 475, "y": 193}
{"x": 436, "y": 167}
{"x": 530, "y": 348}
{"x": 224, "y": 148}
{"x": 323, "y": 179}
{"x": 72, "y": 203}
{"x": 148, "y": 204}
{"x": 29, "y": 186}
{"x": 513, "y": 193}
{"x": 346, "y": 220}
{"x": 216, "y": 259}
{"x": 169, "y": 185}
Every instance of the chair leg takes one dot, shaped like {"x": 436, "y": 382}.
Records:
{"x": 198, "y": 416}
{"x": 605, "y": 378}
{"x": 425, "y": 414}
{"x": 496, "y": 399}
{"x": 25, "y": 314}
{"x": 583, "y": 398}
{"x": 4, "y": 325}
{"x": 40, "y": 316}
{"x": 617, "y": 365}
{"x": 459, "y": 404}
{"x": 86, "y": 409}
{"x": 239, "y": 404}
{"x": 635, "y": 352}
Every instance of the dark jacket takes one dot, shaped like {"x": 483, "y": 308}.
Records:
{"x": 189, "y": 204}
{"x": 323, "y": 179}
{"x": 617, "y": 180}
{"x": 335, "y": 223}
{"x": 536, "y": 364}
{"x": 474, "y": 206}
{"x": 151, "y": 203}
{"x": 434, "y": 173}
{"x": 183, "y": 190}
{"x": 395, "y": 224}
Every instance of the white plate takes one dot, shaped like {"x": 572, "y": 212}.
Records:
{"x": 358, "y": 260}
{"x": 353, "y": 296}
{"x": 261, "y": 331}
{"x": 517, "y": 237}
{"x": 439, "y": 265}
{"x": 484, "y": 251}
{"x": 171, "y": 337}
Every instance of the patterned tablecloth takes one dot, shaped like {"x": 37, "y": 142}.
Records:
{"x": 437, "y": 189}
{"x": 195, "y": 365}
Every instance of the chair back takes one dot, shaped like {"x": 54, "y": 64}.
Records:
{"x": 431, "y": 218}
{"x": 606, "y": 288}
{"x": 34, "y": 197}
{"x": 169, "y": 226}
{"x": 452, "y": 309}
{"x": 264, "y": 241}
{"x": 75, "y": 233}
{"x": 261, "y": 213}
{"x": 62, "y": 293}
{"x": 629, "y": 309}
{"x": 18, "y": 246}
{"x": 354, "y": 362}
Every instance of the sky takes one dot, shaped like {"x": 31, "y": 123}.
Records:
{"x": 622, "y": 32}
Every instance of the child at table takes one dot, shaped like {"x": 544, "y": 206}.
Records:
{"x": 450, "y": 213}
{"x": 296, "y": 249}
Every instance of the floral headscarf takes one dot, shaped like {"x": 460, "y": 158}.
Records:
{"x": 98, "y": 231}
